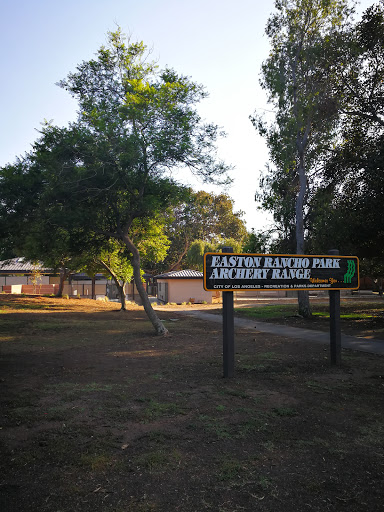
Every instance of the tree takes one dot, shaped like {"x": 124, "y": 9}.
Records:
{"x": 152, "y": 244}
{"x": 298, "y": 77}
{"x": 195, "y": 255}
{"x": 201, "y": 216}
{"x": 150, "y": 236}
{"x": 347, "y": 207}
{"x": 20, "y": 186}
{"x": 360, "y": 85}
{"x": 115, "y": 261}
{"x": 32, "y": 227}
{"x": 257, "y": 242}
{"x": 115, "y": 165}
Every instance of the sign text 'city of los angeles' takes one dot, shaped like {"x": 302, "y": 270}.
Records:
{"x": 231, "y": 272}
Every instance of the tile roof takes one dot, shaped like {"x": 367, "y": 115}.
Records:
{"x": 181, "y": 274}
{"x": 21, "y": 265}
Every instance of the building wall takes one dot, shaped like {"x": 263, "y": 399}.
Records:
{"x": 10, "y": 280}
{"x": 186, "y": 290}
{"x": 84, "y": 288}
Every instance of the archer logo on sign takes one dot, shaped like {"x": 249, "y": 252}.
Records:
{"x": 230, "y": 272}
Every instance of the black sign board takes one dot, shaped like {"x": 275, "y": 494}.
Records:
{"x": 232, "y": 272}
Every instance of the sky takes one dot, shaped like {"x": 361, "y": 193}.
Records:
{"x": 218, "y": 43}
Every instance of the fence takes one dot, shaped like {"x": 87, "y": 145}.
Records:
{"x": 39, "y": 289}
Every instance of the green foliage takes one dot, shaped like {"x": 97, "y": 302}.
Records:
{"x": 109, "y": 174}
{"x": 115, "y": 260}
{"x": 200, "y": 216}
{"x": 256, "y": 242}
{"x": 195, "y": 255}
{"x": 333, "y": 94}
{"x": 299, "y": 81}
{"x": 347, "y": 208}
{"x": 151, "y": 239}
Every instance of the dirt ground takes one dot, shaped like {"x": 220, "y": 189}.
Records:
{"x": 98, "y": 414}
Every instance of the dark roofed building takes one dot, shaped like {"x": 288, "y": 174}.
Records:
{"x": 181, "y": 274}
{"x": 22, "y": 266}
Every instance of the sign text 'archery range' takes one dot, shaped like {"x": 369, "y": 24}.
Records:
{"x": 231, "y": 272}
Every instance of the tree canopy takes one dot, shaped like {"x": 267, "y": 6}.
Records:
{"x": 353, "y": 181}
{"x": 298, "y": 78}
{"x": 324, "y": 182}
{"x": 115, "y": 166}
{"x": 201, "y": 216}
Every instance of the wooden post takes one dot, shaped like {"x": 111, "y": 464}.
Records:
{"x": 228, "y": 330}
{"x": 335, "y": 324}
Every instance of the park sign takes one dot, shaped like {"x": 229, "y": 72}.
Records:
{"x": 233, "y": 272}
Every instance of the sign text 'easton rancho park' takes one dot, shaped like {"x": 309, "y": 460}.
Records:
{"x": 231, "y": 272}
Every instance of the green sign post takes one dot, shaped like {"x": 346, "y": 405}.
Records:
{"x": 229, "y": 272}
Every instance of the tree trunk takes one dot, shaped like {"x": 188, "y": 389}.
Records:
{"x": 151, "y": 313}
{"x": 121, "y": 290}
{"x": 181, "y": 256}
{"x": 303, "y": 296}
{"x": 93, "y": 287}
{"x": 63, "y": 276}
{"x": 304, "y": 304}
{"x": 120, "y": 287}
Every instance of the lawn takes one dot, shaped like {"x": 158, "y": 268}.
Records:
{"x": 99, "y": 414}
{"x": 358, "y": 318}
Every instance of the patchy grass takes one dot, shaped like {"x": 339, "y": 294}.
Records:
{"x": 99, "y": 414}
{"x": 268, "y": 312}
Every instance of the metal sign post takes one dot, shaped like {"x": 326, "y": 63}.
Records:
{"x": 335, "y": 324}
{"x": 228, "y": 331}
{"x": 228, "y": 272}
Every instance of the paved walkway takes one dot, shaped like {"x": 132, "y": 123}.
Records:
{"x": 350, "y": 342}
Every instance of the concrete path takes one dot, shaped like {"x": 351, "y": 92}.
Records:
{"x": 350, "y": 342}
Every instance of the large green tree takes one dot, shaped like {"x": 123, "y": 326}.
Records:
{"x": 298, "y": 78}
{"x": 201, "y": 216}
{"x": 347, "y": 208}
{"x": 115, "y": 263}
{"x": 195, "y": 254}
{"x": 136, "y": 125}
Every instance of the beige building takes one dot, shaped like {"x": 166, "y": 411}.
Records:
{"x": 18, "y": 275}
{"x": 183, "y": 286}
